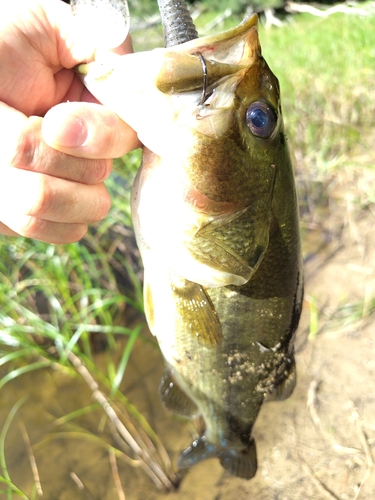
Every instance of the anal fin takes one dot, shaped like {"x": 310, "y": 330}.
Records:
{"x": 174, "y": 398}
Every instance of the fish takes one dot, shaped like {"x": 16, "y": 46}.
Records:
{"x": 215, "y": 214}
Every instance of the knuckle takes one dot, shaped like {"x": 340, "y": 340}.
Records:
{"x": 103, "y": 206}
{"x": 52, "y": 232}
{"x": 103, "y": 169}
{"x": 96, "y": 171}
{"x": 42, "y": 197}
{"x": 28, "y": 146}
{"x": 70, "y": 233}
{"x": 34, "y": 228}
{"x": 78, "y": 233}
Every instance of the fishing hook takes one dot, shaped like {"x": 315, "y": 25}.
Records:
{"x": 204, "y": 90}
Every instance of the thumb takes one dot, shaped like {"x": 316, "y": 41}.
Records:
{"x": 87, "y": 130}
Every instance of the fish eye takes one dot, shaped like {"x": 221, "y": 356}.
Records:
{"x": 260, "y": 119}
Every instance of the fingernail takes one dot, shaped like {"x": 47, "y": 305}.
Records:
{"x": 64, "y": 130}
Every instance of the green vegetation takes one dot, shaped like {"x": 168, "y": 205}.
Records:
{"x": 61, "y": 304}
{"x": 326, "y": 71}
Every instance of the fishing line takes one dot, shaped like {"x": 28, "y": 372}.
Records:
{"x": 204, "y": 67}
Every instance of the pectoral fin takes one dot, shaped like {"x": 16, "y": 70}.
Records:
{"x": 233, "y": 243}
{"x": 285, "y": 389}
{"x": 197, "y": 312}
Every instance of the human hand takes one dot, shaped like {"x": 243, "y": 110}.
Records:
{"x": 52, "y": 161}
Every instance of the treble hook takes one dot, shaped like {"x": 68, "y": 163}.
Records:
{"x": 204, "y": 67}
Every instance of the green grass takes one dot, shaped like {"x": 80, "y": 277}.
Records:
{"x": 59, "y": 301}
{"x": 10, "y": 489}
{"x": 326, "y": 72}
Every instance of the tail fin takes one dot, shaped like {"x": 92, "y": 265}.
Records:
{"x": 242, "y": 464}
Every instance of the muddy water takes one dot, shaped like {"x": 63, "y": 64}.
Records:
{"x": 318, "y": 444}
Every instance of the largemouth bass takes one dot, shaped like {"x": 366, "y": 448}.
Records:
{"x": 216, "y": 220}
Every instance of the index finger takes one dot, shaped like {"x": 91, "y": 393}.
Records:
{"x": 22, "y": 146}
